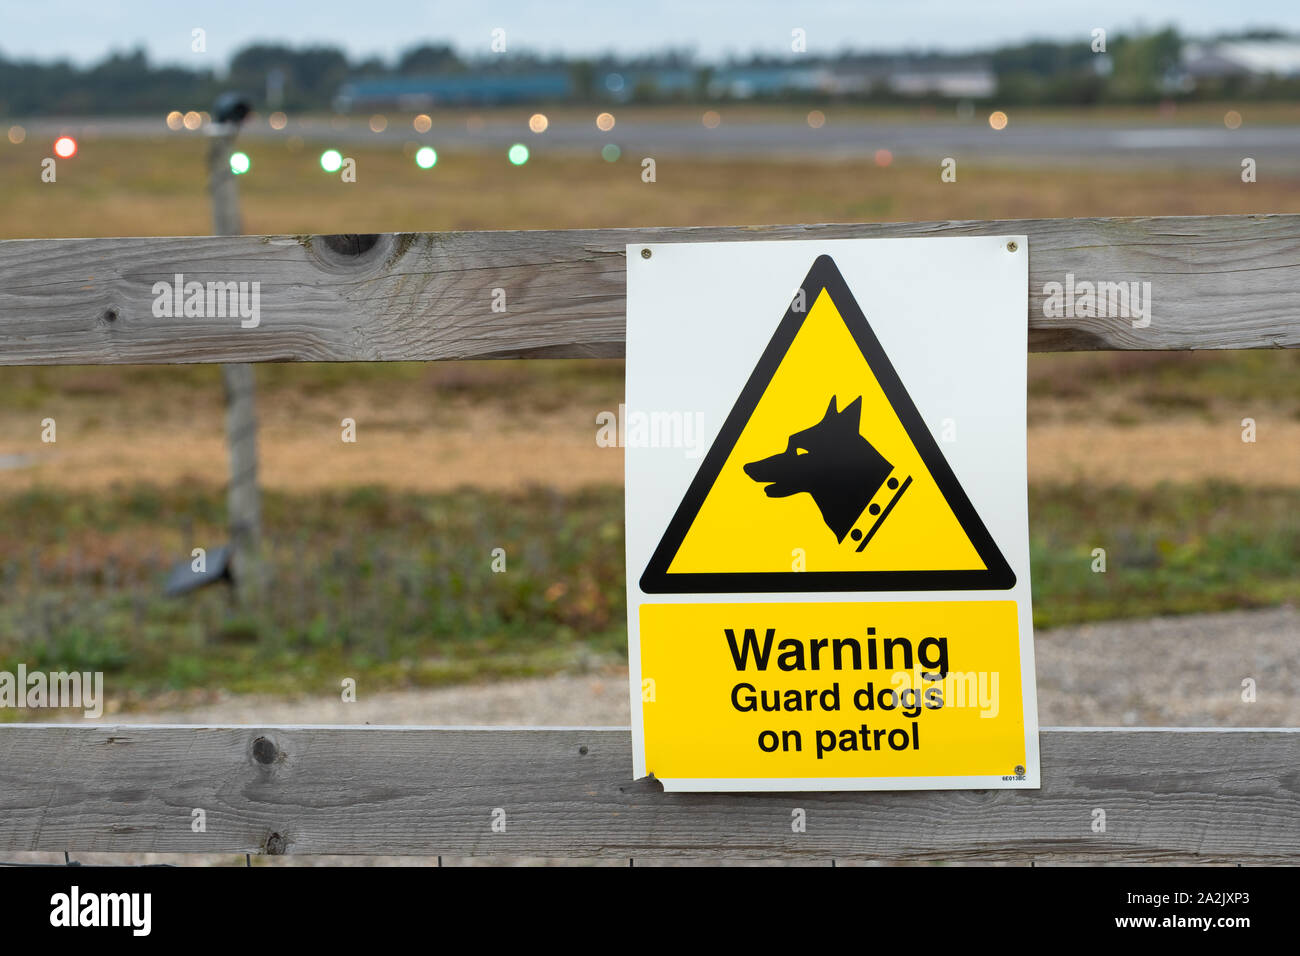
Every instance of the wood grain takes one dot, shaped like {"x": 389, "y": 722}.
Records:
{"x": 1202, "y": 796}
{"x": 1217, "y": 282}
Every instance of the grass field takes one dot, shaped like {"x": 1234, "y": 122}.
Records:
{"x": 382, "y": 560}
{"x": 397, "y": 588}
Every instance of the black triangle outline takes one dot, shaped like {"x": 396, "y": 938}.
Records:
{"x": 997, "y": 576}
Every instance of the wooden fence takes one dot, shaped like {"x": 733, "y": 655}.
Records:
{"x": 1205, "y": 795}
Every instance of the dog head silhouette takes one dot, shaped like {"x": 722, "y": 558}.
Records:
{"x": 830, "y": 461}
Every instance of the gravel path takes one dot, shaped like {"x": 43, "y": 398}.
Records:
{"x": 1175, "y": 671}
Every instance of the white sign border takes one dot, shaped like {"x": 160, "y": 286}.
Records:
{"x": 998, "y": 266}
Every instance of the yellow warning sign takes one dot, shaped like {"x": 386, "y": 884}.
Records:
{"x": 901, "y": 656}
{"x": 905, "y": 689}
{"x": 824, "y": 477}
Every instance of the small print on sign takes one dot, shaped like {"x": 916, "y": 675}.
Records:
{"x": 837, "y": 596}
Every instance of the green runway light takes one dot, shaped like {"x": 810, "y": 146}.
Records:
{"x": 240, "y": 163}
{"x": 331, "y": 160}
{"x": 518, "y": 154}
{"x": 426, "y": 157}
{"x": 610, "y": 153}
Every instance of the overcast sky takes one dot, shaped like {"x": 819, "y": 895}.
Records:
{"x": 85, "y": 30}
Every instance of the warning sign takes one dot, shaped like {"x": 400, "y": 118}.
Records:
{"x": 861, "y": 448}
{"x": 856, "y": 481}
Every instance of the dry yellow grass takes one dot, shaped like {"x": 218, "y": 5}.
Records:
{"x": 506, "y": 427}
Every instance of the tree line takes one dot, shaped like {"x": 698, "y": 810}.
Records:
{"x": 1134, "y": 68}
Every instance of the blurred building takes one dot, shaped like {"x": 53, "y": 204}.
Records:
{"x": 1242, "y": 58}
{"x": 667, "y": 82}
{"x": 461, "y": 89}
{"x": 956, "y": 84}
{"x": 744, "y": 83}
{"x": 903, "y": 77}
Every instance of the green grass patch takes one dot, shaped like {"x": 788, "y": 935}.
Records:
{"x": 397, "y": 589}
{"x": 392, "y": 589}
{"x": 1172, "y": 549}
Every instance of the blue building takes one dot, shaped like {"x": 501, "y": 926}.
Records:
{"x": 461, "y": 89}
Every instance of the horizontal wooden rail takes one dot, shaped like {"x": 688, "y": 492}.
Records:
{"x": 1204, "y": 796}
{"x": 1217, "y": 282}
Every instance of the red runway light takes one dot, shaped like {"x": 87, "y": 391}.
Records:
{"x": 65, "y": 147}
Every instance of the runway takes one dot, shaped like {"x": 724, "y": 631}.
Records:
{"x": 1273, "y": 147}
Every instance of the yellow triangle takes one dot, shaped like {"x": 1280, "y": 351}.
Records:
{"x": 824, "y": 477}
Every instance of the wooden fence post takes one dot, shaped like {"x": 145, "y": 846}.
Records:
{"x": 243, "y": 497}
